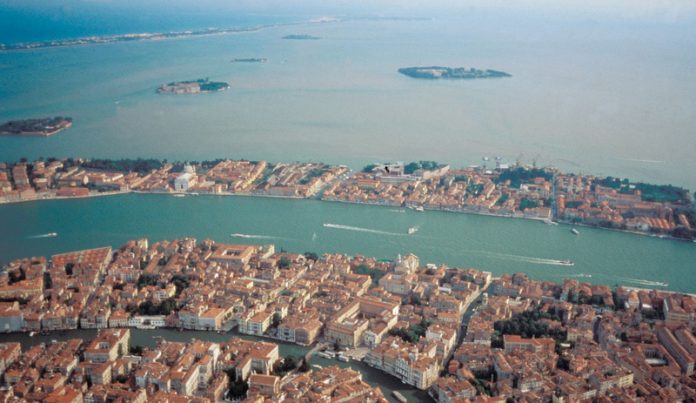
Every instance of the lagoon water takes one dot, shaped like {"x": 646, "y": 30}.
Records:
{"x": 609, "y": 98}
{"x": 500, "y": 245}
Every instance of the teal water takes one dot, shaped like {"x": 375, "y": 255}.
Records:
{"x": 500, "y": 245}
{"x": 588, "y": 96}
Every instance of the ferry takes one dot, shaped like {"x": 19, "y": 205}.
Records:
{"x": 566, "y": 263}
{"x": 399, "y": 397}
{"x": 412, "y": 230}
{"x": 574, "y": 231}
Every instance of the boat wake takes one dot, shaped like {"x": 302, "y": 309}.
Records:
{"x": 49, "y": 235}
{"x": 251, "y": 236}
{"x": 644, "y": 160}
{"x": 527, "y": 259}
{"x": 360, "y": 229}
{"x": 649, "y": 283}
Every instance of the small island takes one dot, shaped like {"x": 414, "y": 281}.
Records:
{"x": 457, "y": 73}
{"x": 250, "y": 60}
{"x": 193, "y": 87}
{"x": 301, "y": 37}
{"x": 42, "y": 127}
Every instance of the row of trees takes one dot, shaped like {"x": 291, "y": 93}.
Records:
{"x": 530, "y": 324}
{"x": 413, "y": 333}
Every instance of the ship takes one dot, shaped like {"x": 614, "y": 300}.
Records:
{"x": 574, "y": 231}
{"x": 412, "y": 230}
{"x": 566, "y": 263}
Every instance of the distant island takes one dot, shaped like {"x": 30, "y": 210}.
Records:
{"x": 193, "y": 87}
{"x": 43, "y": 127}
{"x": 458, "y": 73}
{"x": 301, "y": 37}
{"x": 250, "y": 60}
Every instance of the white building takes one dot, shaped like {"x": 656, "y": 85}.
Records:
{"x": 186, "y": 180}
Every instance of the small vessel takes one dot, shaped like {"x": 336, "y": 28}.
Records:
{"x": 314, "y": 236}
{"x": 566, "y": 263}
{"x": 550, "y": 222}
{"x": 399, "y": 397}
{"x": 343, "y": 358}
{"x": 574, "y": 231}
{"x": 179, "y": 195}
{"x": 420, "y": 209}
{"x": 32, "y": 334}
{"x": 51, "y": 235}
{"x": 412, "y": 230}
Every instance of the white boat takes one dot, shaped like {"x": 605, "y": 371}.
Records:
{"x": 420, "y": 209}
{"x": 566, "y": 263}
{"x": 574, "y": 231}
{"x": 179, "y": 195}
{"x": 51, "y": 235}
{"x": 32, "y": 334}
{"x": 343, "y": 358}
{"x": 399, "y": 396}
{"x": 412, "y": 230}
{"x": 550, "y": 222}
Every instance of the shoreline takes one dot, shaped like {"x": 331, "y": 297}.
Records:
{"x": 389, "y": 205}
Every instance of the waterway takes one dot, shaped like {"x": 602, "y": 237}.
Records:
{"x": 584, "y": 95}
{"x": 496, "y": 244}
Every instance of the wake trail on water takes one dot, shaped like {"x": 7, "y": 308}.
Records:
{"x": 645, "y": 282}
{"x": 645, "y": 161}
{"x": 253, "y": 236}
{"x": 360, "y": 229}
{"x": 49, "y": 235}
{"x": 522, "y": 259}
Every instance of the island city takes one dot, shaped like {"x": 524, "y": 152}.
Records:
{"x": 457, "y": 333}
{"x": 515, "y": 191}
